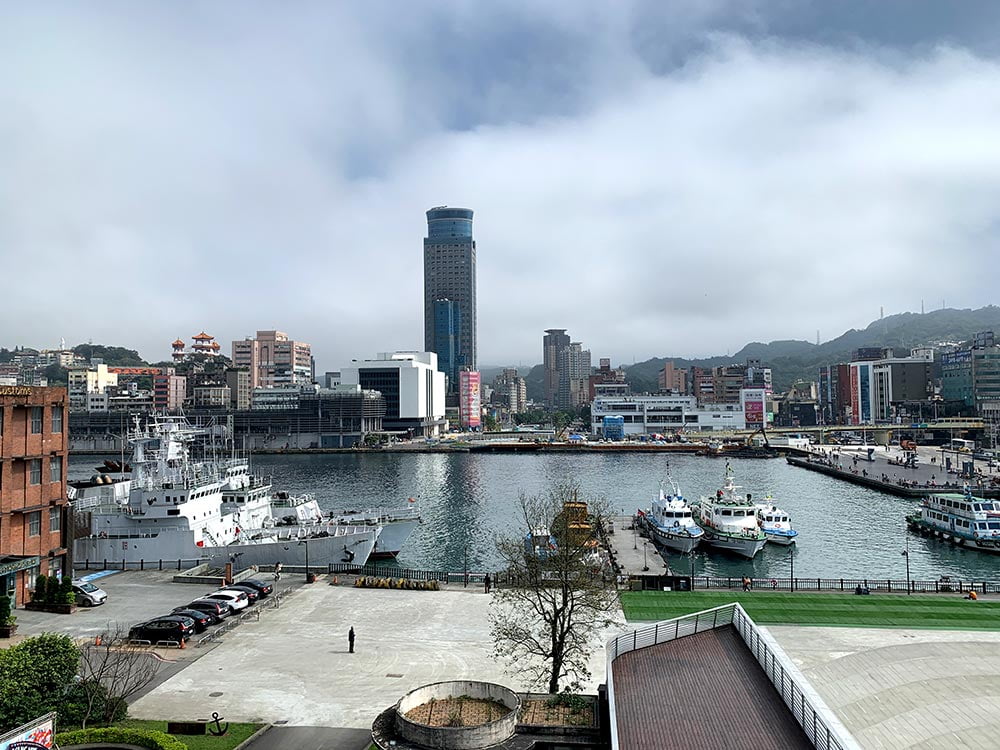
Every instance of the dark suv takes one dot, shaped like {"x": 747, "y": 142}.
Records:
{"x": 171, "y": 629}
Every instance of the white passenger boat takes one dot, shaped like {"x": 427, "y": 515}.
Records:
{"x": 965, "y": 520}
{"x": 775, "y": 523}
{"x": 177, "y": 507}
{"x": 730, "y": 520}
{"x": 670, "y": 522}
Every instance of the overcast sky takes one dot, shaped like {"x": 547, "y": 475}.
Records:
{"x": 657, "y": 177}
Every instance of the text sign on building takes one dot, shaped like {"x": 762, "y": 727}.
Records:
{"x": 35, "y": 735}
{"x": 753, "y": 406}
{"x": 469, "y": 403}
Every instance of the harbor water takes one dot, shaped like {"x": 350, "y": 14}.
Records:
{"x": 845, "y": 531}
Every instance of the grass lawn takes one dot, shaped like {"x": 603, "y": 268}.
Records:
{"x": 236, "y": 734}
{"x": 767, "y": 608}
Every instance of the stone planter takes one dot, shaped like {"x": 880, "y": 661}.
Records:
{"x": 6, "y": 631}
{"x": 58, "y": 609}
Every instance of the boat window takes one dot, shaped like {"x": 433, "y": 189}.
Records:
{"x": 994, "y": 525}
{"x": 768, "y": 518}
{"x": 739, "y": 513}
{"x": 727, "y": 513}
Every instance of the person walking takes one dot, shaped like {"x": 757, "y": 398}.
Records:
{"x": 487, "y": 582}
{"x": 277, "y": 571}
{"x": 350, "y": 640}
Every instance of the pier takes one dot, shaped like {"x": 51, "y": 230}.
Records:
{"x": 635, "y": 557}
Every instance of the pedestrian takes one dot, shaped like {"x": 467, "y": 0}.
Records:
{"x": 350, "y": 639}
{"x": 487, "y": 582}
{"x": 746, "y": 583}
{"x": 277, "y": 571}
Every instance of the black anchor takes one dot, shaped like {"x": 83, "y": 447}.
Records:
{"x": 219, "y": 729}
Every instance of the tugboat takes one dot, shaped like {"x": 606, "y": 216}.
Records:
{"x": 670, "y": 522}
{"x": 775, "y": 522}
{"x": 729, "y": 520}
{"x": 964, "y": 520}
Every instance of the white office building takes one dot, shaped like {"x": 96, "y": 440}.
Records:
{"x": 648, "y": 415}
{"x": 413, "y": 388}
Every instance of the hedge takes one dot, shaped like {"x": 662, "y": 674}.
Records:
{"x": 149, "y": 738}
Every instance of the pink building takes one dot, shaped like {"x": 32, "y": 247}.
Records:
{"x": 470, "y": 410}
{"x": 273, "y": 359}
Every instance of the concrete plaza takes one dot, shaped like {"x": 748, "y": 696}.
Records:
{"x": 294, "y": 667}
{"x": 894, "y": 689}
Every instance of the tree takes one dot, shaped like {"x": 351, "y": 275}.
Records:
{"x": 557, "y": 595}
{"x": 111, "y": 671}
{"x": 490, "y": 424}
{"x": 34, "y": 675}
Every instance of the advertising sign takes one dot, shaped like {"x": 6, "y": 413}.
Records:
{"x": 753, "y": 406}
{"x": 36, "y": 735}
{"x": 855, "y": 397}
{"x": 469, "y": 400}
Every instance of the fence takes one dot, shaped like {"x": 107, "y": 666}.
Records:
{"x": 849, "y": 585}
{"x": 106, "y": 564}
{"x": 410, "y": 574}
{"x": 271, "y": 602}
{"x": 809, "y": 710}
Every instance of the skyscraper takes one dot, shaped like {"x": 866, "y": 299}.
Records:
{"x": 450, "y": 274}
{"x": 553, "y": 342}
{"x": 447, "y": 327}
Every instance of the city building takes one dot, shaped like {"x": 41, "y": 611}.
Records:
{"x": 239, "y": 389}
{"x": 722, "y": 385}
{"x": 673, "y": 379}
{"x": 211, "y": 396}
{"x": 331, "y": 379}
{"x": 553, "y": 342}
{"x": 273, "y": 359}
{"x": 862, "y": 391}
{"x": 86, "y": 380}
{"x": 970, "y": 375}
{"x": 799, "y": 407}
{"x": 663, "y": 414}
{"x": 470, "y": 407}
{"x": 605, "y": 375}
{"x": 510, "y": 392}
{"x": 450, "y": 275}
{"x": 902, "y": 385}
{"x": 835, "y": 393}
{"x": 169, "y": 391}
{"x": 33, "y": 505}
{"x": 574, "y": 376}
{"x": 413, "y": 388}
{"x": 753, "y": 404}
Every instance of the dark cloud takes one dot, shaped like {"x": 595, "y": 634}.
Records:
{"x": 656, "y": 178}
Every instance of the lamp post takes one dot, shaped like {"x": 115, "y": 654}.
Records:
{"x": 791, "y": 563}
{"x": 645, "y": 567}
{"x": 906, "y": 554}
{"x": 306, "y": 543}
{"x": 691, "y": 555}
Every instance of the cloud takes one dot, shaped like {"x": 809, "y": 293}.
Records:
{"x": 168, "y": 172}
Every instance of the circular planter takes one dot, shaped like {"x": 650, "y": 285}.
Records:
{"x": 473, "y": 737}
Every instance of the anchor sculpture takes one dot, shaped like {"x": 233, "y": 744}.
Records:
{"x": 219, "y": 729}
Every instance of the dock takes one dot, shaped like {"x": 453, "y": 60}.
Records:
{"x": 635, "y": 556}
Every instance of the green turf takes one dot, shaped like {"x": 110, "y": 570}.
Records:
{"x": 236, "y": 734}
{"x": 767, "y": 608}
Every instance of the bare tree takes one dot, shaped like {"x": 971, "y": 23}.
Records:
{"x": 557, "y": 595}
{"x": 111, "y": 671}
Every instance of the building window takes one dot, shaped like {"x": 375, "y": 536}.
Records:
{"x": 35, "y": 523}
{"x": 55, "y": 519}
{"x": 36, "y": 420}
{"x": 57, "y": 418}
{"x": 35, "y": 470}
{"x": 55, "y": 469}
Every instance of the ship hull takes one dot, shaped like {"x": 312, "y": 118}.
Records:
{"x": 990, "y": 544}
{"x": 747, "y": 547}
{"x": 393, "y": 537}
{"x": 682, "y": 544}
{"x": 776, "y": 537}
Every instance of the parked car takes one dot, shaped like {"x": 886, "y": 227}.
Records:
{"x": 201, "y": 619}
{"x": 88, "y": 595}
{"x": 213, "y": 606}
{"x": 159, "y": 629}
{"x": 186, "y": 619}
{"x": 265, "y": 589}
{"x": 252, "y": 594}
{"x": 236, "y": 599}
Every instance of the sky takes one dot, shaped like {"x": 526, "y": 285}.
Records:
{"x": 660, "y": 178}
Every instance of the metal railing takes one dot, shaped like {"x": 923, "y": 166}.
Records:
{"x": 849, "y": 585}
{"x": 818, "y": 722}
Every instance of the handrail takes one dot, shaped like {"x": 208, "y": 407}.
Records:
{"x": 819, "y": 723}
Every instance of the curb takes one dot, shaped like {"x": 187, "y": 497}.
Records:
{"x": 253, "y": 737}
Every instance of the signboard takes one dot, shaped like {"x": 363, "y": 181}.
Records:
{"x": 753, "y": 406}
{"x": 35, "y": 735}
{"x": 855, "y": 398}
{"x": 15, "y": 390}
{"x": 469, "y": 400}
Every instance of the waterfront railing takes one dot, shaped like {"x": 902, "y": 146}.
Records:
{"x": 818, "y": 722}
{"x": 849, "y": 585}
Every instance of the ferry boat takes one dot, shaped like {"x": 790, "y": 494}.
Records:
{"x": 775, "y": 523}
{"x": 670, "y": 522}
{"x": 729, "y": 520}
{"x": 176, "y": 507}
{"x": 965, "y": 520}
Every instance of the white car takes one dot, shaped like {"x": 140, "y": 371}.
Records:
{"x": 89, "y": 595}
{"x": 235, "y": 599}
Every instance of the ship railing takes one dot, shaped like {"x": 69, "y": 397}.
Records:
{"x": 818, "y": 722}
{"x": 141, "y": 564}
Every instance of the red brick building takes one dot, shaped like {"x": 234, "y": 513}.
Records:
{"x": 34, "y": 458}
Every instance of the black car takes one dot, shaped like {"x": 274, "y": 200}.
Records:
{"x": 172, "y": 629}
{"x": 253, "y": 595}
{"x": 212, "y": 606}
{"x": 183, "y": 618}
{"x": 201, "y": 619}
{"x": 265, "y": 589}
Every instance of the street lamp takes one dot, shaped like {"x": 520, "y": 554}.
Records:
{"x": 791, "y": 562}
{"x": 645, "y": 567}
{"x": 691, "y": 556}
{"x": 306, "y": 543}
{"x": 906, "y": 554}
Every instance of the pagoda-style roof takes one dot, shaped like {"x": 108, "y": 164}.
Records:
{"x": 178, "y": 342}
{"x": 203, "y": 337}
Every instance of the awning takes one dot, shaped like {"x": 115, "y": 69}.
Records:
{"x": 12, "y": 565}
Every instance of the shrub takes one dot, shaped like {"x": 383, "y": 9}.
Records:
{"x": 148, "y": 738}
{"x": 88, "y": 702}
{"x": 34, "y": 675}
{"x": 66, "y": 595}
{"x": 38, "y": 595}
{"x": 6, "y": 618}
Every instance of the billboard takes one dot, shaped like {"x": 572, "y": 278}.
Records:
{"x": 753, "y": 406}
{"x": 469, "y": 400}
{"x": 35, "y": 735}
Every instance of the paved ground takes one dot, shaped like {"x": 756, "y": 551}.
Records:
{"x": 313, "y": 738}
{"x": 926, "y": 689}
{"x": 294, "y": 666}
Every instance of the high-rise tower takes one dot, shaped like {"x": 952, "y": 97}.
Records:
{"x": 450, "y": 274}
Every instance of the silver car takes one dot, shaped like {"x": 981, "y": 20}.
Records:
{"x": 88, "y": 595}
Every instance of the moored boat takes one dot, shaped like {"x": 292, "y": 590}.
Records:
{"x": 964, "y": 520}
{"x": 729, "y": 520}
{"x": 775, "y": 523}
{"x": 670, "y": 522}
